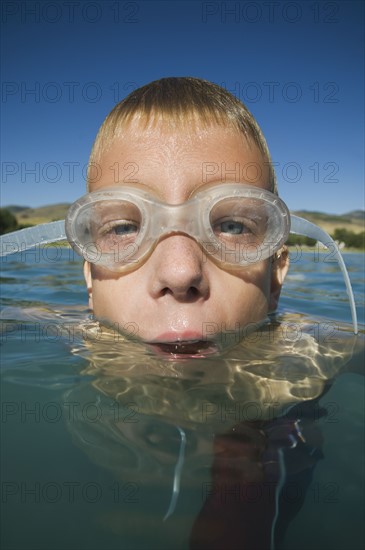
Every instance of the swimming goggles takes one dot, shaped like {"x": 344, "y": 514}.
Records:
{"x": 236, "y": 225}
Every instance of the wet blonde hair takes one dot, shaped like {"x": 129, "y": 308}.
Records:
{"x": 181, "y": 100}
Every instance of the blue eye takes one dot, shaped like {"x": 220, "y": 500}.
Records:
{"x": 232, "y": 227}
{"x": 125, "y": 228}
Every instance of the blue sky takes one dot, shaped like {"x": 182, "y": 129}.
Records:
{"x": 298, "y": 66}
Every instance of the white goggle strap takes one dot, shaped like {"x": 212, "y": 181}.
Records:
{"x": 24, "y": 239}
{"x": 27, "y": 238}
{"x": 300, "y": 226}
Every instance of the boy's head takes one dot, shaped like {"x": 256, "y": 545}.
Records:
{"x": 172, "y": 138}
{"x": 183, "y": 104}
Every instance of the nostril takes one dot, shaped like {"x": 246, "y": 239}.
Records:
{"x": 193, "y": 291}
{"x": 184, "y": 294}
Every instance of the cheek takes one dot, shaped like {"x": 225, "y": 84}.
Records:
{"x": 245, "y": 295}
{"x": 253, "y": 281}
{"x": 249, "y": 302}
{"x": 116, "y": 296}
{"x": 107, "y": 290}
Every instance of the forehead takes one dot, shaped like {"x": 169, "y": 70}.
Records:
{"x": 174, "y": 161}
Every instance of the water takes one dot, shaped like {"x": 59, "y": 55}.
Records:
{"x": 101, "y": 440}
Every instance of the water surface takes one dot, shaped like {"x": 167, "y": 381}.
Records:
{"x": 105, "y": 445}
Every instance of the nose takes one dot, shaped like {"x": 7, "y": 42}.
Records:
{"x": 178, "y": 269}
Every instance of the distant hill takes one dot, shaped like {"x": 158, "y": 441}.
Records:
{"x": 357, "y": 214}
{"x": 43, "y": 214}
{"x": 352, "y": 221}
{"x": 15, "y": 209}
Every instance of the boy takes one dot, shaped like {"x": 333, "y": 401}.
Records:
{"x": 174, "y": 138}
{"x": 182, "y": 229}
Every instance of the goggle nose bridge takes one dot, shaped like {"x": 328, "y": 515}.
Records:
{"x": 178, "y": 218}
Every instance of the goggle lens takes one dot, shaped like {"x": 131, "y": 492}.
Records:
{"x": 234, "y": 224}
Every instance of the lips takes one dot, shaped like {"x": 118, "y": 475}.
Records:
{"x": 183, "y": 346}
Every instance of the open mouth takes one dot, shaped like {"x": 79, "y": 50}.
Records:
{"x": 185, "y": 348}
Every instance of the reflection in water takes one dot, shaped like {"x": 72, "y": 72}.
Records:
{"x": 271, "y": 370}
{"x": 230, "y": 436}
